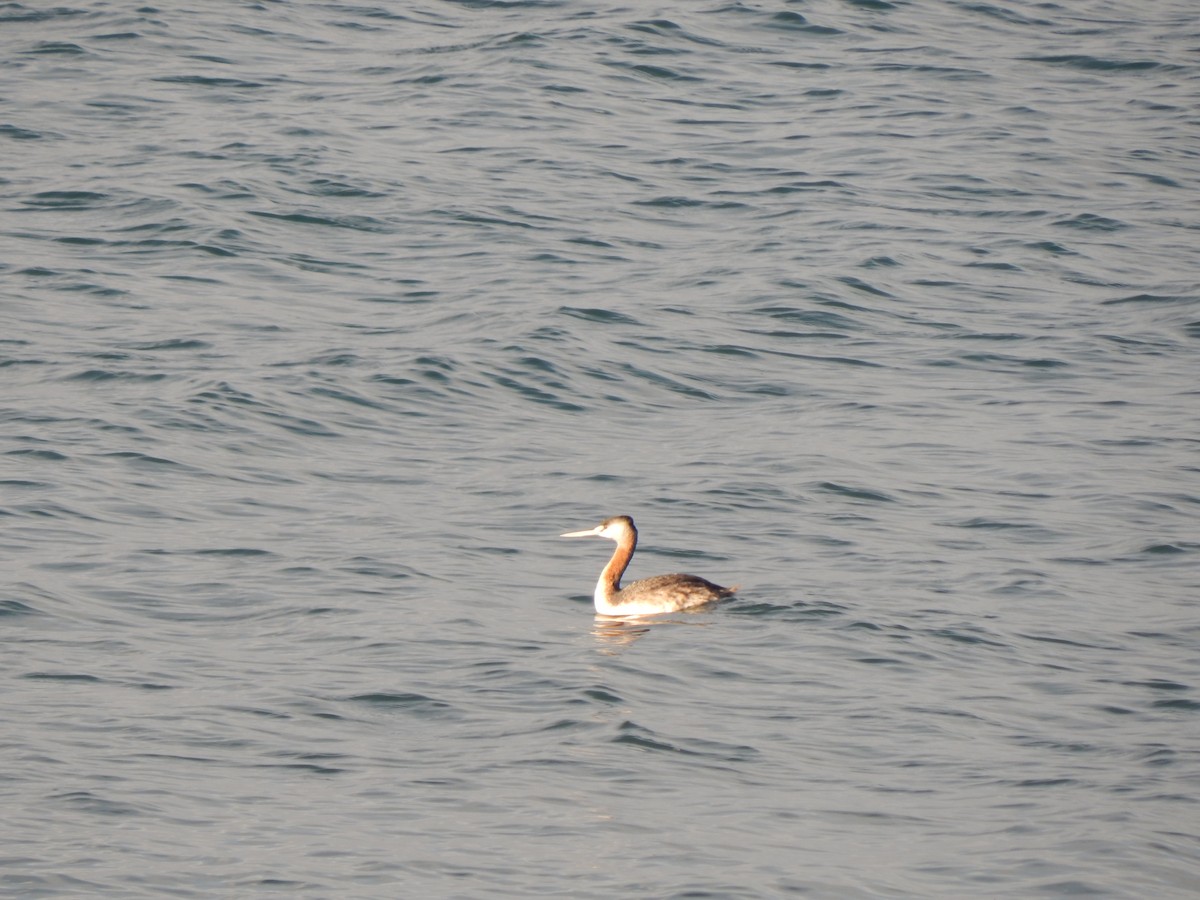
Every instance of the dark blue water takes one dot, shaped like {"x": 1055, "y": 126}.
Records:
{"x": 320, "y": 321}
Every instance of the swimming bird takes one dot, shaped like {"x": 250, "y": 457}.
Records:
{"x": 649, "y": 596}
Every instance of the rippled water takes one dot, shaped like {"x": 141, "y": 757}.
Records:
{"x": 321, "y": 321}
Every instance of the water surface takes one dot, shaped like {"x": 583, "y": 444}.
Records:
{"x": 322, "y": 320}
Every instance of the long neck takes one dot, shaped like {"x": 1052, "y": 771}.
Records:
{"x": 610, "y": 579}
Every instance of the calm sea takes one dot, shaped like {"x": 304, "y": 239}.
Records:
{"x": 319, "y": 321}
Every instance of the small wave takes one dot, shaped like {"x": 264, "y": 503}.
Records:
{"x": 646, "y": 739}
{"x": 794, "y": 21}
{"x": 1087, "y": 63}
{"x": 66, "y": 200}
{"x": 602, "y": 316}
{"x": 855, "y": 493}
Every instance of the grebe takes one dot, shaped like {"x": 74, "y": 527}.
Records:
{"x": 660, "y": 594}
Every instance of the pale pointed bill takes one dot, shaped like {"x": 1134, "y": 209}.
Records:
{"x": 591, "y": 532}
